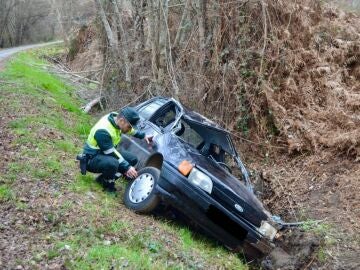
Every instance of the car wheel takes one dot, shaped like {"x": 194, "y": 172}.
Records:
{"x": 140, "y": 193}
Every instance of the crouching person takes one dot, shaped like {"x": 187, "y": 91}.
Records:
{"x": 101, "y": 147}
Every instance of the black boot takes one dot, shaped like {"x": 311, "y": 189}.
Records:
{"x": 109, "y": 185}
{"x": 100, "y": 179}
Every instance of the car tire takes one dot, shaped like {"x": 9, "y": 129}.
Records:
{"x": 140, "y": 195}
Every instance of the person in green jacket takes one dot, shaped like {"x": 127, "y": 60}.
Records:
{"x": 101, "y": 147}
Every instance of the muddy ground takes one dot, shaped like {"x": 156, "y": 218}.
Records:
{"x": 312, "y": 187}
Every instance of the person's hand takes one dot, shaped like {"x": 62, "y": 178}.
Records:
{"x": 131, "y": 172}
{"x": 149, "y": 139}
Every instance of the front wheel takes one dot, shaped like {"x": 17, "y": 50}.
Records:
{"x": 140, "y": 193}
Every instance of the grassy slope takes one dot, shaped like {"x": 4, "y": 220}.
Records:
{"x": 58, "y": 217}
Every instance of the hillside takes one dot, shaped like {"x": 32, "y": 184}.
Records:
{"x": 54, "y": 218}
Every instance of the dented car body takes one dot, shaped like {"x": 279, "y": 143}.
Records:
{"x": 195, "y": 159}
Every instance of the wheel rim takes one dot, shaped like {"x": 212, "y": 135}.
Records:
{"x": 141, "y": 188}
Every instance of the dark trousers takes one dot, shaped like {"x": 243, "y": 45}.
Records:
{"x": 107, "y": 165}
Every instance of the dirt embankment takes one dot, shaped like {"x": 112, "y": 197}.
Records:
{"x": 314, "y": 100}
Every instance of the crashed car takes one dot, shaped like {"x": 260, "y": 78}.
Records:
{"x": 190, "y": 167}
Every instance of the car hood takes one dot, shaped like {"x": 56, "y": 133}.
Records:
{"x": 229, "y": 188}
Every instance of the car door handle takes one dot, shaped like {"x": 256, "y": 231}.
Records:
{"x": 142, "y": 125}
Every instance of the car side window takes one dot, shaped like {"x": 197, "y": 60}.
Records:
{"x": 148, "y": 110}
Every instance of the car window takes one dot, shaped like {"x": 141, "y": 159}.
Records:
{"x": 148, "y": 110}
{"x": 165, "y": 118}
{"x": 189, "y": 135}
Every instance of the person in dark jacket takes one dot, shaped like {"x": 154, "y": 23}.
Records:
{"x": 101, "y": 147}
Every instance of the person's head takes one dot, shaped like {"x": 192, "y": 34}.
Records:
{"x": 126, "y": 119}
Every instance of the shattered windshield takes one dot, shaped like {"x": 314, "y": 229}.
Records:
{"x": 208, "y": 140}
{"x": 189, "y": 135}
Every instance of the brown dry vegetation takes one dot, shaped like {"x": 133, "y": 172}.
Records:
{"x": 270, "y": 68}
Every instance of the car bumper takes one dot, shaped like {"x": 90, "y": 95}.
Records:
{"x": 201, "y": 208}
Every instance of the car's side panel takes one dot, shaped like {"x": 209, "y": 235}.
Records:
{"x": 139, "y": 147}
{"x": 134, "y": 145}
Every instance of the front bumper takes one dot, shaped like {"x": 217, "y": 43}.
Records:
{"x": 234, "y": 232}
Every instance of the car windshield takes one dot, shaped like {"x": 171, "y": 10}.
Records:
{"x": 209, "y": 142}
{"x": 189, "y": 135}
{"x": 204, "y": 138}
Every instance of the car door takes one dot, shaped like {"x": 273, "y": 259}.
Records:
{"x": 137, "y": 146}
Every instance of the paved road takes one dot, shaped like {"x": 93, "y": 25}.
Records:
{"x": 5, "y": 53}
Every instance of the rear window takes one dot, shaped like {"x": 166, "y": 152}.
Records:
{"x": 148, "y": 110}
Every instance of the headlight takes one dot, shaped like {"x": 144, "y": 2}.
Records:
{"x": 267, "y": 230}
{"x": 201, "y": 180}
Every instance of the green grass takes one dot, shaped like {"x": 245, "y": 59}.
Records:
{"x": 186, "y": 238}
{"x": 115, "y": 256}
{"x": 326, "y": 234}
{"x": 84, "y": 183}
{"x": 319, "y": 228}
{"x": 6, "y": 193}
{"x": 66, "y": 146}
{"x": 26, "y": 69}
{"x": 51, "y": 123}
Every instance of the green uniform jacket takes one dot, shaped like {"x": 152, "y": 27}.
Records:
{"x": 105, "y": 136}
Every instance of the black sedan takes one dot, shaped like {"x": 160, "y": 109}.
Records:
{"x": 193, "y": 166}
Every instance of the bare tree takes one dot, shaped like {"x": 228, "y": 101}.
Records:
{"x": 123, "y": 38}
{"x": 63, "y": 31}
{"x": 109, "y": 33}
{"x": 202, "y": 5}
{"x": 38, "y": 20}
{"x": 180, "y": 34}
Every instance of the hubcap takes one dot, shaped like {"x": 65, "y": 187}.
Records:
{"x": 141, "y": 188}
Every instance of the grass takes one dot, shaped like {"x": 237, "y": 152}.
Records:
{"x": 84, "y": 227}
{"x": 6, "y": 193}
{"x": 326, "y": 234}
{"x": 65, "y": 146}
{"x": 319, "y": 228}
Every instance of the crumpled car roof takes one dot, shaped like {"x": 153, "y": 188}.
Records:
{"x": 196, "y": 117}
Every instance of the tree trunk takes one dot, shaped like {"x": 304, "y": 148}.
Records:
{"x": 180, "y": 34}
{"x": 61, "y": 24}
{"x": 123, "y": 39}
{"x": 163, "y": 31}
{"x": 153, "y": 37}
{"x": 202, "y": 31}
{"x": 109, "y": 34}
{"x": 139, "y": 18}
